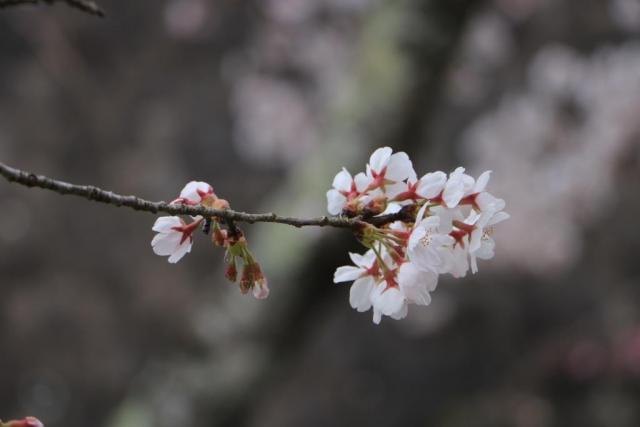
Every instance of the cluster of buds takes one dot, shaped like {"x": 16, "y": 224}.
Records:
{"x": 25, "y": 422}
{"x": 174, "y": 238}
{"x": 438, "y": 224}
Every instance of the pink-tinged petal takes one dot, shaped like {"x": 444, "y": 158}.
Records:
{"x": 165, "y": 244}
{"x": 346, "y": 273}
{"x": 399, "y": 167}
{"x": 362, "y": 181}
{"x": 360, "y": 293}
{"x": 416, "y": 235}
{"x": 432, "y": 184}
{"x": 261, "y": 290}
{"x": 342, "y": 180}
{"x": 335, "y": 202}
{"x": 380, "y": 158}
{"x": 482, "y": 182}
{"x": 182, "y": 250}
{"x": 165, "y": 224}
{"x": 194, "y": 190}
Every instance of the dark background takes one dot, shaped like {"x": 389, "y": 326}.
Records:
{"x": 266, "y": 100}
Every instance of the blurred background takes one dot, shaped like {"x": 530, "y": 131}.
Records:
{"x": 267, "y": 100}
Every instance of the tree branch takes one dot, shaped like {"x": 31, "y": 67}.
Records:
{"x": 91, "y": 192}
{"x": 87, "y": 6}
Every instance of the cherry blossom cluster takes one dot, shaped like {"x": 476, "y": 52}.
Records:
{"x": 174, "y": 238}
{"x": 442, "y": 225}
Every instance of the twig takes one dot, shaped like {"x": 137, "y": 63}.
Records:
{"x": 91, "y": 192}
{"x": 87, "y": 6}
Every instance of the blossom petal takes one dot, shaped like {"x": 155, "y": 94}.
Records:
{"x": 193, "y": 189}
{"x": 360, "y": 293}
{"x": 432, "y": 184}
{"x": 399, "y": 167}
{"x": 362, "y": 181}
{"x": 342, "y": 181}
{"x": 181, "y": 251}
{"x": 482, "y": 181}
{"x": 346, "y": 273}
{"x": 380, "y": 158}
{"x": 165, "y": 244}
{"x": 335, "y": 202}
{"x": 165, "y": 224}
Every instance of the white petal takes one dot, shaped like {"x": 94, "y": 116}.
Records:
{"x": 380, "y": 158}
{"x": 416, "y": 284}
{"x": 335, "y": 202}
{"x": 346, "y": 273}
{"x": 360, "y": 293}
{"x": 377, "y": 316}
{"x": 394, "y": 189}
{"x": 416, "y": 235}
{"x": 482, "y": 182}
{"x": 399, "y": 167}
{"x": 362, "y": 181}
{"x": 164, "y": 224}
{"x": 342, "y": 180}
{"x": 402, "y": 313}
{"x": 474, "y": 264}
{"x": 392, "y": 208}
{"x": 190, "y": 191}
{"x": 368, "y": 258}
{"x": 454, "y": 189}
{"x": 166, "y": 244}
{"x": 486, "y": 201}
{"x": 432, "y": 184}
{"x": 390, "y": 301}
{"x": 498, "y": 217}
{"x": 182, "y": 250}
{"x": 487, "y": 249}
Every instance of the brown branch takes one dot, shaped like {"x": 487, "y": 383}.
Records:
{"x": 87, "y": 6}
{"x": 91, "y": 192}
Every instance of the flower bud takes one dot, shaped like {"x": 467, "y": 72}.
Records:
{"x": 231, "y": 273}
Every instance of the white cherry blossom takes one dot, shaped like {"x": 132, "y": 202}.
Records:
{"x": 345, "y": 188}
{"x": 385, "y": 168}
{"x": 389, "y": 301}
{"x": 364, "y": 274}
{"x": 194, "y": 193}
{"x": 426, "y": 242}
{"x": 174, "y": 238}
{"x": 481, "y": 244}
{"x": 458, "y": 185}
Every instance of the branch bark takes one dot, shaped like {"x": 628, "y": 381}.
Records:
{"x": 91, "y": 192}
{"x": 87, "y": 6}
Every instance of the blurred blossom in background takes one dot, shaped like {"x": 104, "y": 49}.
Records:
{"x": 267, "y": 100}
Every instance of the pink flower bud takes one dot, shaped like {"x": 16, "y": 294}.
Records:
{"x": 26, "y": 422}
{"x": 231, "y": 273}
